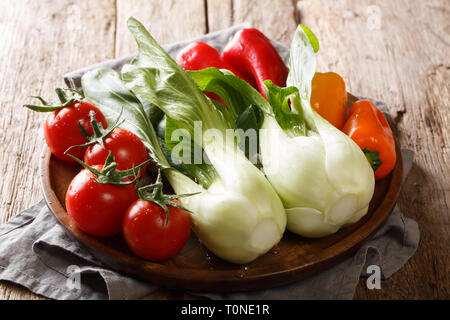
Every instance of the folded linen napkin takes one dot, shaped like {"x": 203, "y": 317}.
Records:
{"x": 38, "y": 253}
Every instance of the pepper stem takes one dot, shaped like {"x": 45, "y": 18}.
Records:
{"x": 374, "y": 158}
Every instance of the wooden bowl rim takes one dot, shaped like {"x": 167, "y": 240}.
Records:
{"x": 192, "y": 279}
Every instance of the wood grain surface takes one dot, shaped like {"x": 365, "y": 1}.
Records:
{"x": 395, "y": 51}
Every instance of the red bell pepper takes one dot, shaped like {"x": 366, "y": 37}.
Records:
{"x": 252, "y": 54}
{"x": 199, "y": 55}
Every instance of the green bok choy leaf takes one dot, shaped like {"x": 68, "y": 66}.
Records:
{"x": 104, "y": 87}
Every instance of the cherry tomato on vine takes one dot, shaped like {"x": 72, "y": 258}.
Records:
{"x": 149, "y": 236}
{"x": 127, "y": 148}
{"x": 61, "y": 128}
{"x": 98, "y": 208}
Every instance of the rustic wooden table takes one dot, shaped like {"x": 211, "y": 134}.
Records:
{"x": 395, "y": 51}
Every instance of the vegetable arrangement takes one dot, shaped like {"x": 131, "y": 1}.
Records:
{"x": 250, "y": 147}
{"x": 237, "y": 214}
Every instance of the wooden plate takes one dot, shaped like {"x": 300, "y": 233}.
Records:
{"x": 196, "y": 269}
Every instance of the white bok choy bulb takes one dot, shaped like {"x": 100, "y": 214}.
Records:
{"x": 239, "y": 216}
{"x": 237, "y": 213}
{"x": 321, "y": 175}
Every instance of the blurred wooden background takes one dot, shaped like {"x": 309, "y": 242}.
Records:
{"x": 395, "y": 51}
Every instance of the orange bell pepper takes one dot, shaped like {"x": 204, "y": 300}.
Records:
{"x": 367, "y": 126}
{"x": 329, "y": 97}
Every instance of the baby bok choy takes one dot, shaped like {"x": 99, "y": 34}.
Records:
{"x": 321, "y": 175}
{"x": 237, "y": 214}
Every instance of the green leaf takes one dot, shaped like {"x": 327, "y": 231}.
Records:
{"x": 185, "y": 163}
{"x": 302, "y": 67}
{"x": 245, "y": 104}
{"x": 251, "y": 118}
{"x": 374, "y": 158}
{"x": 157, "y": 78}
{"x": 312, "y": 37}
{"x": 154, "y": 113}
{"x": 279, "y": 98}
{"x": 204, "y": 172}
{"x": 104, "y": 87}
{"x": 237, "y": 94}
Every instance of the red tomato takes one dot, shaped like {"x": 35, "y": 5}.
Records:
{"x": 98, "y": 209}
{"x": 61, "y": 129}
{"x": 128, "y": 150}
{"x": 147, "y": 234}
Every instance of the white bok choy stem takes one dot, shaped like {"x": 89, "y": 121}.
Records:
{"x": 321, "y": 175}
{"x": 237, "y": 215}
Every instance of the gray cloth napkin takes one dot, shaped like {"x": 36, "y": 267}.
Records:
{"x": 36, "y": 252}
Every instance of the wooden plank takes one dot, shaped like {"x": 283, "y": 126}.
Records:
{"x": 394, "y": 52}
{"x": 40, "y": 41}
{"x": 220, "y": 14}
{"x": 276, "y": 19}
{"x": 167, "y": 20}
